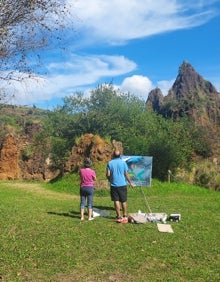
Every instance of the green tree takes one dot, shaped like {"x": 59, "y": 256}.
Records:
{"x": 59, "y": 153}
{"x": 171, "y": 147}
{"x": 201, "y": 142}
{"x": 123, "y": 117}
{"x": 106, "y": 112}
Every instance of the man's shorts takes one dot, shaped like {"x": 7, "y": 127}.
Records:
{"x": 119, "y": 194}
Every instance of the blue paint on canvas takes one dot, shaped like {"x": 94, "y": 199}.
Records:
{"x": 139, "y": 169}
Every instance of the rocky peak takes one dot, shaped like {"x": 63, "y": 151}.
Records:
{"x": 191, "y": 85}
{"x": 155, "y": 99}
{"x": 190, "y": 95}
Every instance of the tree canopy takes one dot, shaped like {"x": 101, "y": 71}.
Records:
{"x": 124, "y": 117}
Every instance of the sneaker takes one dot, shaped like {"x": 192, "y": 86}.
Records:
{"x": 122, "y": 220}
{"x": 90, "y": 218}
{"x": 118, "y": 219}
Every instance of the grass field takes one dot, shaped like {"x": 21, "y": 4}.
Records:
{"x": 42, "y": 238}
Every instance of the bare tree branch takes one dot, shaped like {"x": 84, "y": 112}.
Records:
{"x": 27, "y": 25}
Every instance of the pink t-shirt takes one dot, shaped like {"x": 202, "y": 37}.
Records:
{"x": 88, "y": 177}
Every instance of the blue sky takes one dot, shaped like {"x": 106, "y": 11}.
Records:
{"x": 137, "y": 45}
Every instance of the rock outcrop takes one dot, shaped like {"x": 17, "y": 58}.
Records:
{"x": 155, "y": 100}
{"x": 9, "y": 158}
{"x": 18, "y": 163}
{"x": 92, "y": 146}
{"x": 191, "y": 95}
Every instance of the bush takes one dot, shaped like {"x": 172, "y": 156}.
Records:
{"x": 207, "y": 175}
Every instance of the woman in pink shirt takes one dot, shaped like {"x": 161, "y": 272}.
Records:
{"x": 88, "y": 177}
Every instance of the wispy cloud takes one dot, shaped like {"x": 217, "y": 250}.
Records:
{"x": 66, "y": 77}
{"x": 103, "y": 22}
{"x": 118, "y": 21}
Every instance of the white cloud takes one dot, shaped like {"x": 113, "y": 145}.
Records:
{"x": 118, "y": 21}
{"x": 165, "y": 85}
{"x": 138, "y": 85}
{"x": 65, "y": 78}
{"x": 110, "y": 22}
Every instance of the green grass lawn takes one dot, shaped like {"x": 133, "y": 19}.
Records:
{"x": 42, "y": 238}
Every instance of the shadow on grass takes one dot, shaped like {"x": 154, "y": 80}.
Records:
{"x": 72, "y": 214}
{"x": 76, "y": 214}
{"x": 104, "y": 208}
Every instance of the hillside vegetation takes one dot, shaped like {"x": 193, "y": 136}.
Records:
{"x": 181, "y": 131}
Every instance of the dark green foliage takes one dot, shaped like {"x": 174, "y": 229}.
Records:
{"x": 59, "y": 153}
{"x": 201, "y": 143}
{"x": 122, "y": 117}
{"x": 27, "y": 152}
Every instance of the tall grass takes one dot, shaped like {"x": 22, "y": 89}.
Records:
{"x": 42, "y": 238}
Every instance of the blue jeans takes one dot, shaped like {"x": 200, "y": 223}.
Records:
{"x": 86, "y": 193}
